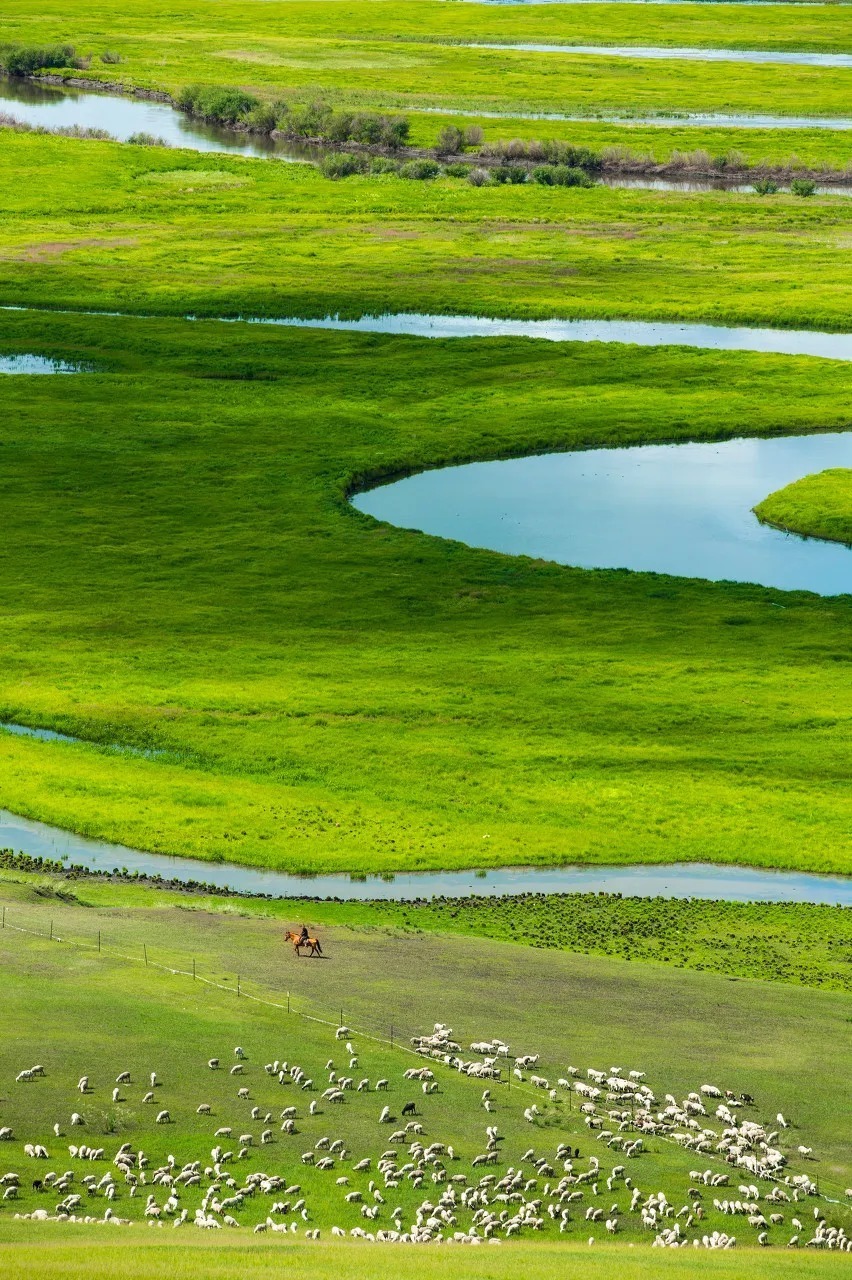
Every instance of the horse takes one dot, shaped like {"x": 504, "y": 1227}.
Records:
{"x": 313, "y": 944}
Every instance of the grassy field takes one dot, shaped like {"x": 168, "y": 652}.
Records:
{"x": 372, "y": 53}
{"x": 129, "y": 228}
{"x": 799, "y": 943}
{"x": 77, "y": 1011}
{"x": 818, "y": 506}
{"x": 275, "y": 645}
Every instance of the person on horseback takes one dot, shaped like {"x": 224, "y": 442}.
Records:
{"x": 303, "y": 936}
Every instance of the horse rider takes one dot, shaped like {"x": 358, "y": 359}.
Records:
{"x": 303, "y": 936}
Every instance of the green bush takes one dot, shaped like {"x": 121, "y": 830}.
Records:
{"x": 395, "y": 131}
{"x": 803, "y": 187}
{"x": 420, "y": 169}
{"x": 458, "y": 170}
{"x": 450, "y": 141}
{"x": 342, "y": 166}
{"x": 383, "y": 164}
{"x": 222, "y": 106}
{"x": 27, "y": 60}
{"x": 111, "y": 59}
{"x": 473, "y": 136}
{"x": 479, "y": 177}
{"x": 515, "y": 174}
{"x": 146, "y": 140}
{"x": 766, "y": 187}
{"x": 261, "y": 119}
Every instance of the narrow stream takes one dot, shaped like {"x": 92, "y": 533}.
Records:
{"x": 29, "y": 364}
{"x": 783, "y": 56}
{"x": 681, "y": 880}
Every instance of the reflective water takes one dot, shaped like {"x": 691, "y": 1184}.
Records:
{"x": 786, "y": 57}
{"x": 121, "y": 116}
{"x": 643, "y": 333}
{"x": 700, "y": 185}
{"x": 53, "y": 735}
{"x": 692, "y": 880}
{"x": 683, "y": 509}
{"x": 36, "y": 364}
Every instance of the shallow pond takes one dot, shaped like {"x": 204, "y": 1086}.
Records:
{"x": 54, "y": 108}
{"x": 671, "y": 121}
{"x": 683, "y": 509}
{"x": 37, "y": 364}
{"x": 784, "y": 56}
{"x": 692, "y": 880}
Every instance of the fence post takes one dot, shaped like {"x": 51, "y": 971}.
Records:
{"x": 99, "y": 939}
{"x": 145, "y": 950}
{"x": 238, "y": 984}
{"x": 193, "y": 968}
{"x": 391, "y": 1035}
{"x": 288, "y": 1001}
{"x": 4, "y": 917}
{"x": 51, "y": 931}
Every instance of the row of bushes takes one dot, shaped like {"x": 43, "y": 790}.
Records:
{"x": 345, "y": 165}
{"x": 551, "y": 151}
{"x": 314, "y": 120}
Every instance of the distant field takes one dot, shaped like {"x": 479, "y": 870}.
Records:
{"x": 395, "y": 55}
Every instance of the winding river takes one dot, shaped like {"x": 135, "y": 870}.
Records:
{"x": 682, "y": 880}
{"x": 784, "y": 57}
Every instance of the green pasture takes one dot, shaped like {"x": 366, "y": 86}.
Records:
{"x": 818, "y": 506}
{"x": 139, "y": 1255}
{"x": 144, "y": 229}
{"x": 801, "y": 943}
{"x": 382, "y": 54}
{"x": 311, "y": 676}
{"x": 79, "y": 1011}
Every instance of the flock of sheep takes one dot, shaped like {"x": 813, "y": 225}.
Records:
{"x": 472, "y": 1199}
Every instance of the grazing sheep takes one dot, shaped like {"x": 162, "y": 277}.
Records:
{"x": 123, "y": 1078}
{"x": 163, "y": 1117}
{"x": 76, "y": 1118}
{"x": 242, "y": 1093}
{"x": 237, "y": 1070}
{"x": 213, "y": 1064}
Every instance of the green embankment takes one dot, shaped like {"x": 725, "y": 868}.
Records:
{"x": 221, "y": 603}
{"x": 391, "y": 55}
{"x": 818, "y": 506}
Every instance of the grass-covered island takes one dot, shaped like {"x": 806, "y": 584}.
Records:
{"x": 818, "y": 506}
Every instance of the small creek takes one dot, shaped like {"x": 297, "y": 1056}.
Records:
{"x": 652, "y": 52}
{"x": 682, "y": 880}
{"x": 37, "y": 364}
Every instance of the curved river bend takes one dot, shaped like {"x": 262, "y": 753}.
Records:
{"x": 686, "y": 880}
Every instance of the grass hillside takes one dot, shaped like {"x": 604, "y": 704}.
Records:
{"x": 222, "y": 604}
{"x": 817, "y": 506}
{"x": 79, "y": 1012}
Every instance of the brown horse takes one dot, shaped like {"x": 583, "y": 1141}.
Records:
{"x": 298, "y": 941}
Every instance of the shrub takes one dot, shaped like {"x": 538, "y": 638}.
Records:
{"x": 450, "y": 140}
{"x": 342, "y": 166}
{"x": 261, "y": 119}
{"x": 383, "y": 164}
{"x": 146, "y": 140}
{"x": 339, "y": 127}
{"x": 802, "y": 187}
{"x": 511, "y": 173}
{"x": 366, "y": 129}
{"x": 311, "y": 121}
{"x": 395, "y": 131}
{"x": 766, "y": 187}
{"x": 543, "y": 175}
{"x": 479, "y": 178}
{"x": 557, "y": 152}
{"x": 420, "y": 170}
{"x": 223, "y": 106}
{"x": 473, "y": 136}
{"x": 111, "y": 59}
{"x": 566, "y": 175}
{"x": 27, "y": 60}
{"x": 457, "y": 170}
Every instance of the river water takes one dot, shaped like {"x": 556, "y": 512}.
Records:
{"x": 685, "y": 880}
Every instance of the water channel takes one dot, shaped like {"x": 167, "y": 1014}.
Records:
{"x": 682, "y": 880}
{"x": 652, "y": 52}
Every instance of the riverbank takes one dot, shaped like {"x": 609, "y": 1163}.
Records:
{"x": 818, "y": 506}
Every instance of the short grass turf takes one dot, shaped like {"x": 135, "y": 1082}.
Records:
{"x": 331, "y": 693}
{"x": 396, "y": 55}
{"x": 78, "y": 1012}
{"x": 818, "y": 506}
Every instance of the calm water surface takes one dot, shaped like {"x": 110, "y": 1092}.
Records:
{"x": 693, "y": 880}
{"x": 680, "y": 509}
{"x": 37, "y": 364}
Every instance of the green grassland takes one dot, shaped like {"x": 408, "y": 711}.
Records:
{"x": 376, "y": 54}
{"x": 149, "y": 1256}
{"x": 220, "y": 602}
{"x": 144, "y": 229}
{"x": 79, "y": 1011}
{"x": 818, "y": 506}
{"x": 800, "y": 943}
